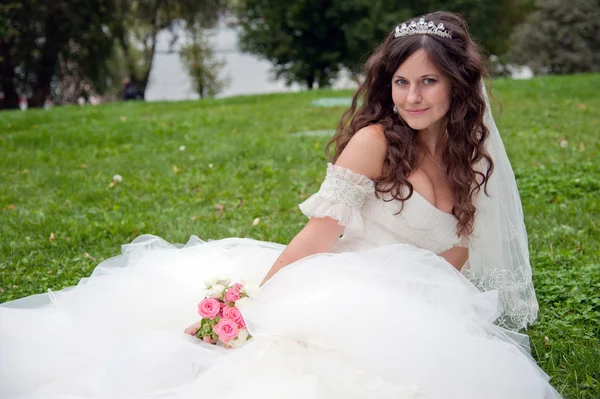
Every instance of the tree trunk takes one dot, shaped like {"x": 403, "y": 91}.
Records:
{"x": 7, "y": 77}
{"x": 310, "y": 82}
{"x": 46, "y": 63}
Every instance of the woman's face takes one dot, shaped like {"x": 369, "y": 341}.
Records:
{"x": 421, "y": 93}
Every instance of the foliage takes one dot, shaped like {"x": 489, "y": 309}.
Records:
{"x": 138, "y": 23}
{"x": 560, "y": 37}
{"x": 40, "y": 32}
{"x": 490, "y": 21}
{"x": 199, "y": 58}
{"x": 71, "y": 45}
{"x": 309, "y": 42}
{"x": 59, "y": 215}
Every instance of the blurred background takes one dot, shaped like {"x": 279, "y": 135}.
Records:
{"x": 90, "y": 51}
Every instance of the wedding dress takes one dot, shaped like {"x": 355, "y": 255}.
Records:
{"x": 382, "y": 316}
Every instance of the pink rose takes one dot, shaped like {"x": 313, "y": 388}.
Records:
{"x": 226, "y": 330}
{"x": 232, "y": 295}
{"x": 241, "y": 324}
{"x": 238, "y": 287}
{"x": 233, "y": 313}
{"x": 223, "y": 306}
{"x": 209, "y": 308}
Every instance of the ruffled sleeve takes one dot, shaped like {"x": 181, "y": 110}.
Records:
{"x": 341, "y": 196}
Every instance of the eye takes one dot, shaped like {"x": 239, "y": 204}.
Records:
{"x": 401, "y": 82}
{"x": 429, "y": 81}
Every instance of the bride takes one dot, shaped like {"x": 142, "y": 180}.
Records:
{"x": 422, "y": 296}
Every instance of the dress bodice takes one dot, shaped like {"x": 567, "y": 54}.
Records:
{"x": 371, "y": 222}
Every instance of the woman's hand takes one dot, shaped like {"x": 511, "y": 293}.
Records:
{"x": 193, "y": 329}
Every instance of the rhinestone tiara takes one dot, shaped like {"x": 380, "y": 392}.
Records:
{"x": 422, "y": 28}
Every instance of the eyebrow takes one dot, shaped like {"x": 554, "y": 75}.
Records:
{"x": 423, "y": 76}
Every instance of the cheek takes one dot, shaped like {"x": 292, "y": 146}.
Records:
{"x": 398, "y": 95}
{"x": 442, "y": 99}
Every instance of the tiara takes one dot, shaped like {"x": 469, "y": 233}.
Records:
{"x": 422, "y": 28}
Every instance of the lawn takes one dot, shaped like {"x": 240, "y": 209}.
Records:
{"x": 212, "y": 167}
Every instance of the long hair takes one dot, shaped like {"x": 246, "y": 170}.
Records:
{"x": 460, "y": 60}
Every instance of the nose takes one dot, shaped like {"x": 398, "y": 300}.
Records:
{"x": 414, "y": 94}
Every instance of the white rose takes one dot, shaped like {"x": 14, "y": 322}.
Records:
{"x": 240, "y": 303}
{"x": 210, "y": 282}
{"x": 242, "y": 335}
{"x": 251, "y": 290}
{"x": 217, "y": 291}
{"x": 223, "y": 280}
{"x": 240, "y": 340}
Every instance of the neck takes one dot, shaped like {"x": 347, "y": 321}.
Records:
{"x": 433, "y": 138}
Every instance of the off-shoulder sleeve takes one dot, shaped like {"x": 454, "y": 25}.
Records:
{"x": 340, "y": 197}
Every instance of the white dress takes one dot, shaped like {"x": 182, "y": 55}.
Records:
{"x": 383, "y": 316}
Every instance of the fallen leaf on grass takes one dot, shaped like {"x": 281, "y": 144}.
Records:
{"x": 176, "y": 169}
{"x": 220, "y": 209}
{"x": 89, "y": 257}
{"x": 255, "y": 221}
{"x": 123, "y": 118}
{"x": 582, "y": 106}
{"x": 52, "y": 237}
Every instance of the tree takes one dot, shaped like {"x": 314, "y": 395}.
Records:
{"x": 38, "y": 32}
{"x": 199, "y": 59}
{"x": 139, "y": 22}
{"x": 560, "y": 37}
{"x": 310, "y": 41}
{"x": 491, "y": 22}
{"x": 47, "y": 43}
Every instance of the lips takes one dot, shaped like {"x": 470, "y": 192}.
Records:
{"x": 416, "y": 111}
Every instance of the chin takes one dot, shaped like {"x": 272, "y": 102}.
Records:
{"x": 417, "y": 125}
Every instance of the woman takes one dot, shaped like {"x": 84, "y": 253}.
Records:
{"x": 423, "y": 194}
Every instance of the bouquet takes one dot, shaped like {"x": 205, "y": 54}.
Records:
{"x": 222, "y": 322}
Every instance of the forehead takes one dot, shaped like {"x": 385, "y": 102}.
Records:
{"x": 416, "y": 65}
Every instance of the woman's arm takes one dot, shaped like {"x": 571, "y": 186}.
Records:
{"x": 364, "y": 154}
{"x": 318, "y": 236}
{"x": 456, "y": 256}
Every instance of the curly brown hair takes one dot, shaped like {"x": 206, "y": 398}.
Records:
{"x": 460, "y": 60}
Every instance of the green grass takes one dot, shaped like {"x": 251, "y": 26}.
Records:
{"x": 57, "y": 165}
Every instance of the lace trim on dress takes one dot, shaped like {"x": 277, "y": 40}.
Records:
{"x": 517, "y": 296}
{"x": 341, "y": 196}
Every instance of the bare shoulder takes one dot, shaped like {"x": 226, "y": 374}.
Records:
{"x": 365, "y": 152}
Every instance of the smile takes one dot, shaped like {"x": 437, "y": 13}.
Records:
{"x": 416, "y": 111}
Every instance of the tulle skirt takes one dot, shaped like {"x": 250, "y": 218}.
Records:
{"x": 391, "y": 322}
